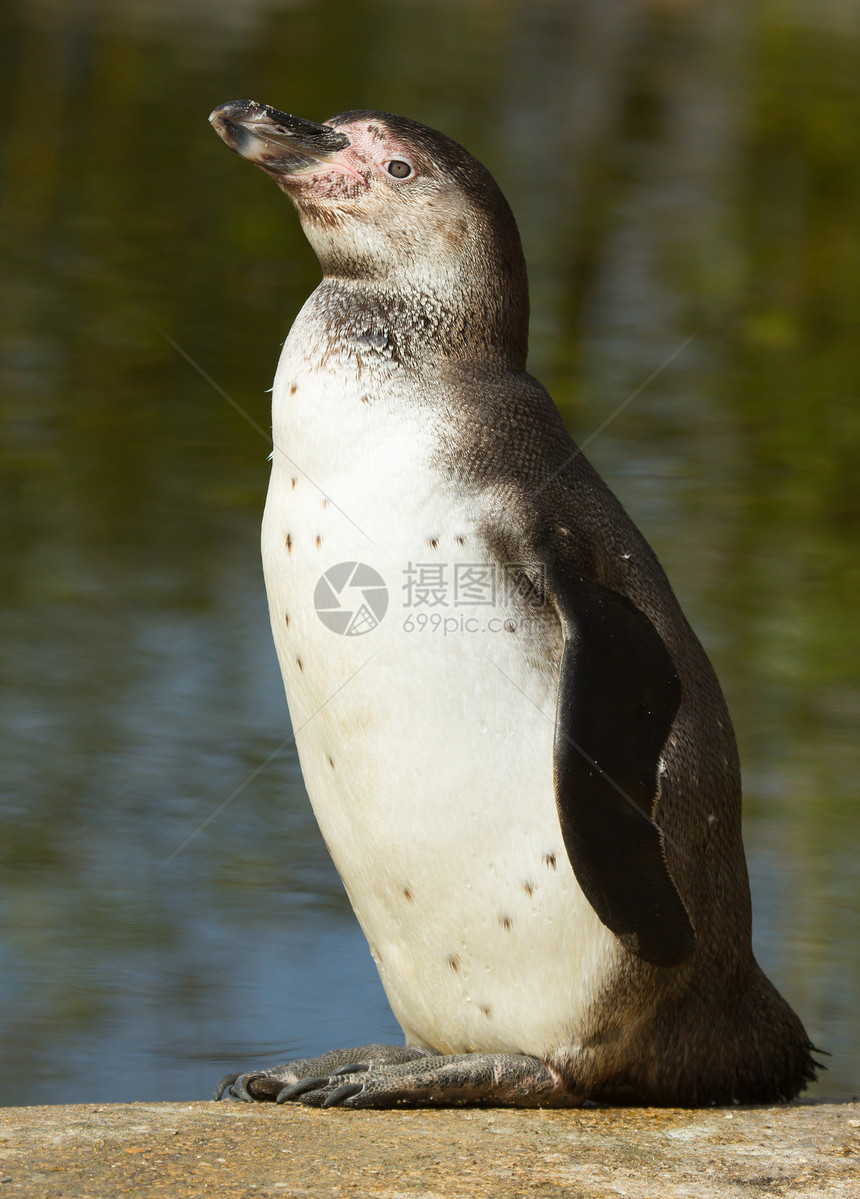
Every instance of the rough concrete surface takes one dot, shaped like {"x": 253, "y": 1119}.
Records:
{"x": 234, "y": 1149}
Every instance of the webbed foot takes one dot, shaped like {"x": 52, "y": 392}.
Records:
{"x": 405, "y": 1078}
{"x": 265, "y": 1086}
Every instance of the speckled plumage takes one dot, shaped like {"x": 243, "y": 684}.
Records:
{"x": 537, "y": 821}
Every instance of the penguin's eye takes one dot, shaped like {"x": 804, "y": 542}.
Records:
{"x": 398, "y": 168}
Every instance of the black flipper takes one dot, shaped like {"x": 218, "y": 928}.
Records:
{"x": 617, "y": 698}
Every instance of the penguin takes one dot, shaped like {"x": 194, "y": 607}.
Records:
{"x": 517, "y": 751}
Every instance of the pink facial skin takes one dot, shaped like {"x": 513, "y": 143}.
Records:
{"x": 344, "y": 176}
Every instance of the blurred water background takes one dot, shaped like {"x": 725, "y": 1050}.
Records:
{"x": 677, "y": 167}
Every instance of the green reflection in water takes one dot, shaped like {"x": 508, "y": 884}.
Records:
{"x": 674, "y": 168}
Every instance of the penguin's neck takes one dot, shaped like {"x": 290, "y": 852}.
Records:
{"x": 418, "y": 324}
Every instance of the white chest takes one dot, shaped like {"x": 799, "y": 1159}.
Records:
{"x": 426, "y": 742}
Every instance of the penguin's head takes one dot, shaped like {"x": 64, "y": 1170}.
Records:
{"x": 388, "y": 201}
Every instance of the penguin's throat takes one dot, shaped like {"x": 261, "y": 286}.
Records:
{"x": 412, "y": 325}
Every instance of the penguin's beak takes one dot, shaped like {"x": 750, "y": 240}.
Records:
{"x": 279, "y": 143}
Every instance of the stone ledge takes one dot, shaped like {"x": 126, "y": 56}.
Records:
{"x": 234, "y": 1149}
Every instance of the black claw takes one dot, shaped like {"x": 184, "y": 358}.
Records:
{"x": 341, "y": 1094}
{"x": 239, "y": 1087}
{"x": 352, "y": 1068}
{"x": 225, "y": 1084}
{"x": 294, "y": 1089}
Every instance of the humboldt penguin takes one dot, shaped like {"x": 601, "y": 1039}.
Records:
{"x": 515, "y": 746}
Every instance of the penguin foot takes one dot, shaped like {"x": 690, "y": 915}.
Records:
{"x": 266, "y": 1086}
{"x": 408, "y": 1078}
